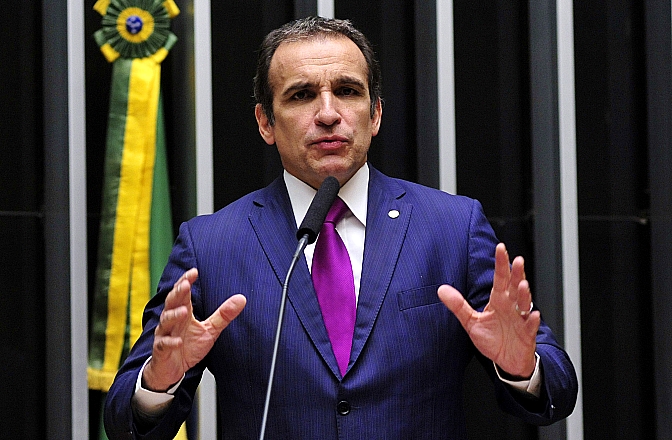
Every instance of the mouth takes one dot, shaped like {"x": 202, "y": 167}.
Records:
{"x": 332, "y": 142}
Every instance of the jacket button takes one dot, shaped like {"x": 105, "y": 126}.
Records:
{"x": 343, "y": 408}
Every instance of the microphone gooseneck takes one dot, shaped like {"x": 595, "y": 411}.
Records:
{"x": 307, "y": 234}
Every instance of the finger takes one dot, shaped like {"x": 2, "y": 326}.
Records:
{"x": 532, "y": 324}
{"x": 456, "y": 303}
{"x": 181, "y": 293}
{"x": 165, "y": 344}
{"x": 523, "y": 300}
{"x": 170, "y": 319}
{"x": 517, "y": 276}
{"x": 226, "y": 313}
{"x": 531, "y": 328}
{"x": 500, "y": 282}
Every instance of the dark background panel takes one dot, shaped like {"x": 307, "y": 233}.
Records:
{"x": 390, "y": 27}
{"x": 22, "y": 329}
{"x": 492, "y": 115}
{"x": 242, "y": 160}
{"x": 659, "y": 110}
{"x": 493, "y": 159}
{"x": 426, "y": 94}
{"x": 20, "y": 110}
{"x": 613, "y": 229}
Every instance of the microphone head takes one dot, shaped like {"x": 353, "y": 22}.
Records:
{"x": 319, "y": 207}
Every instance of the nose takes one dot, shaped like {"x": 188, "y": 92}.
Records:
{"x": 327, "y": 114}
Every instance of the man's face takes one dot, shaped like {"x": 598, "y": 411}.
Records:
{"x": 323, "y": 125}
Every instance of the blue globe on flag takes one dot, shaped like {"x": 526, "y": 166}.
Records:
{"x": 133, "y": 24}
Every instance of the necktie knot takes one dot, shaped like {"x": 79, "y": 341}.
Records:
{"x": 337, "y": 211}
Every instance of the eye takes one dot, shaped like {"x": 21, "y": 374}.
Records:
{"x": 348, "y": 91}
{"x": 301, "y": 95}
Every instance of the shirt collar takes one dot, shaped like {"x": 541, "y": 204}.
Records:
{"x": 354, "y": 193}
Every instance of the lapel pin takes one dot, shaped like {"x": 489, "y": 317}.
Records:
{"x": 393, "y": 213}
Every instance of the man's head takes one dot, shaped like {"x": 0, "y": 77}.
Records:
{"x": 306, "y": 29}
{"x": 315, "y": 100}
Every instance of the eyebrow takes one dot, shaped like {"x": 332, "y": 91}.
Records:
{"x": 301, "y": 85}
{"x": 338, "y": 82}
{"x": 350, "y": 80}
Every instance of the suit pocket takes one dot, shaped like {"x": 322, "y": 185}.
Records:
{"x": 421, "y": 296}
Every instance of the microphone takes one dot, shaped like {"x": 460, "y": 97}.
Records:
{"x": 307, "y": 234}
{"x": 317, "y": 212}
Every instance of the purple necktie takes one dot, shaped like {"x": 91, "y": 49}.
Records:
{"x": 335, "y": 285}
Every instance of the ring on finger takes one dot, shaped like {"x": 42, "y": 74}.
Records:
{"x": 524, "y": 312}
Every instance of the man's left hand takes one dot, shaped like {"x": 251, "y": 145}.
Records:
{"x": 505, "y": 331}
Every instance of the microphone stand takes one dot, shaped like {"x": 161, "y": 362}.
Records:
{"x": 303, "y": 242}
{"x": 307, "y": 233}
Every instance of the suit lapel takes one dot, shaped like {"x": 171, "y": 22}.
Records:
{"x": 273, "y": 223}
{"x": 386, "y": 225}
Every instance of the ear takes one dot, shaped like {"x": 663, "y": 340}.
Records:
{"x": 377, "y": 118}
{"x": 265, "y": 128}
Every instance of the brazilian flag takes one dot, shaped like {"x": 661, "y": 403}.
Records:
{"x": 136, "y": 232}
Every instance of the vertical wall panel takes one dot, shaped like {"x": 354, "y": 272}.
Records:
{"x": 554, "y": 165}
{"x": 325, "y": 8}
{"x": 22, "y": 308}
{"x": 77, "y": 214}
{"x": 203, "y": 98}
{"x": 426, "y": 86}
{"x": 491, "y": 114}
{"x": 305, "y": 8}
{"x": 613, "y": 239}
{"x": 659, "y": 128}
{"x": 242, "y": 161}
{"x": 545, "y": 160}
{"x": 56, "y": 227}
{"x": 389, "y": 25}
{"x": 568, "y": 204}
{"x": 547, "y": 287}
{"x": 65, "y": 219}
{"x": 207, "y": 394}
{"x": 178, "y": 85}
{"x": 445, "y": 61}
{"x": 492, "y": 149}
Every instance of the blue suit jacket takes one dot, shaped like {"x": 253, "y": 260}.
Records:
{"x": 409, "y": 353}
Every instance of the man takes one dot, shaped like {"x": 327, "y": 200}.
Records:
{"x": 318, "y": 94}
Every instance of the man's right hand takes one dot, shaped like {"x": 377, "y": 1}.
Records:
{"x": 180, "y": 340}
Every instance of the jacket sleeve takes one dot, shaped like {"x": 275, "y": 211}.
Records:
{"x": 118, "y": 414}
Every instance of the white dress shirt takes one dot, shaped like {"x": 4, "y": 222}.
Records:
{"x": 351, "y": 228}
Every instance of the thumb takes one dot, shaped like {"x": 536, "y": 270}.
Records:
{"x": 456, "y": 303}
{"x": 227, "y": 312}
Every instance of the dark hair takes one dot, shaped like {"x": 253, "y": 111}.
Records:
{"x": 306, "y": 29}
